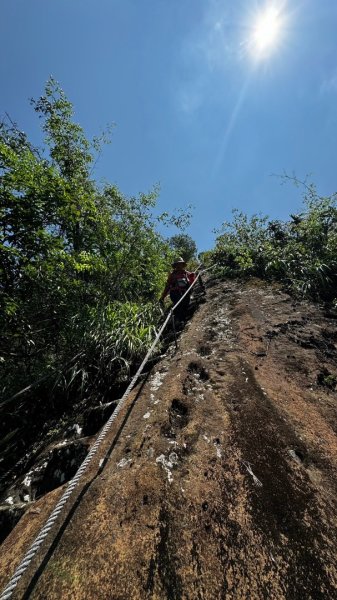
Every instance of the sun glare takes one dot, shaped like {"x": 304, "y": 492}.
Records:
{"x": 266, "y": 31}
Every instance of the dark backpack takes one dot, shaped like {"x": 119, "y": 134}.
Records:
{"x": 181, "y": 281}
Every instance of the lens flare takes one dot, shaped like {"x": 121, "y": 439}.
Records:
{"x": 266, "y": 31}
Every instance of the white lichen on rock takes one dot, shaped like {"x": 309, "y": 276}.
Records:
{"x": 168, "y": 463}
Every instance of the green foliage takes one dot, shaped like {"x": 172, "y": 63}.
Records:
{"x": 239, "y": 246}
{"x": 79, "y": 262}
{"x": 69, "y": 149}
{"x": 111, "y": 338}
{"x": 302, "y": 253}
{"x": 206, "y": 258}
{"x": 183, "y": 245}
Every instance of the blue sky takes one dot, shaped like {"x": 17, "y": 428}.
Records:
{"x": 194, "y": 109}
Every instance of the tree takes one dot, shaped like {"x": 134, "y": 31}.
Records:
{"x": 70, "y": 247}
{"x": 183, "y": 245}
{"x": 82, "y": 266}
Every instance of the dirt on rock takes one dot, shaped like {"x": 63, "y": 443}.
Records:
{"x": 219, "y": 480}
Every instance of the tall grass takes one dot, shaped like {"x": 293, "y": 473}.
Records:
{"x": 113, "y": 339}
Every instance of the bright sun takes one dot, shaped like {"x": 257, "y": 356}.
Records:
{"x": 266, "y": 31}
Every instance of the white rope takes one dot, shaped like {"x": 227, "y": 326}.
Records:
{"x": 256, "y": 480}
{"x": 7, "y": 592}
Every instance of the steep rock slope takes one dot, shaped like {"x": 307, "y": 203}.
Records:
{"x": 220, "y": 477}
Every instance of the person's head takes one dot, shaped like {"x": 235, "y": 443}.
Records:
{"x": 179, "y": 264}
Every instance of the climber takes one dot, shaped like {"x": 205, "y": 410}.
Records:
{"x": 177, "y": 284}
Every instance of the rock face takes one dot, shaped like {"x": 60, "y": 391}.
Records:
{"x": 218, "y": 479}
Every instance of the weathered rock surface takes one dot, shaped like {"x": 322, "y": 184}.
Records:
{"x": 220, "y": 474}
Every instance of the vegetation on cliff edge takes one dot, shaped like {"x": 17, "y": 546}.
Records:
{"x": 301, "y": 252}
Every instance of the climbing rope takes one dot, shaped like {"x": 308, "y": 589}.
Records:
{"x": 28, "y": 557}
